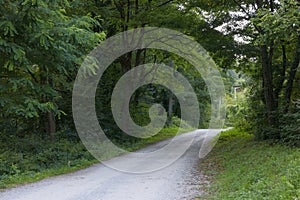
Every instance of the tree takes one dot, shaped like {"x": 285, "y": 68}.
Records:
{"x": 267, "y": 50}
{"x": 41, "y": 47}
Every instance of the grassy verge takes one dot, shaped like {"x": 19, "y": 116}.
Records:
{"x": 241, "y": 168}
{"x": 30, "y": 176}
{"x": 31, "y": 158}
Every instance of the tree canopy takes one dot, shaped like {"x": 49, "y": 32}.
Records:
{"x": 43, "y": 43}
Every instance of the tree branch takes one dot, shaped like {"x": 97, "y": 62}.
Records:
{"x": 247, "y": 13}
{"x": 164, "y": 3}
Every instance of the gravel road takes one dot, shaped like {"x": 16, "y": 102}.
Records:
{"x": 180, "y": 180}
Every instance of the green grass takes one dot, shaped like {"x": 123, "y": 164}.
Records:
{"x": 30, "y": 177}
{"x": 241, "y": 168}
{"x": 31, "y": 158}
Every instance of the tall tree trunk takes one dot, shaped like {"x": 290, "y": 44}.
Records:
{"x": 267, "y": 84}
{"x": 170, "y": 110}
{"x": 49, "y": 118}
{"x": 282, "y": 76}
{"x": 292, "y": 75}
{"x": 51, "y": 125}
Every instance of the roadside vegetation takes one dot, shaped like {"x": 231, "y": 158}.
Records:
{"x": 32, "y": 158}
{"x": 240, "y": 167}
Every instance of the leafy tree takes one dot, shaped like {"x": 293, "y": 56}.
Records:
{"x": 41, "y": 47}
{"x": 266, "y": 49}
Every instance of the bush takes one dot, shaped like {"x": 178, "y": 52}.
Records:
{"x": 31, "y": 155}
{"x": 176, "y": 121}
{"x": 290, "y": 128}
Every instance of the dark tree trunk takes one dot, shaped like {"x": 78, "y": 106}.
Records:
{"x": 292, "y": 75}
{"x": 51, "y": 125}
{"x": 49, "y": 118}
{"x": 282, "y": 77}
{"x": 170, "y": 109}
{"x": 268, "y": 85}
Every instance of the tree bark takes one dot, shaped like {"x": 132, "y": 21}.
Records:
{"x": 170, "y": 109}
{"x": 267, "y": 84}
{"x": 292, "y": 75}
{"x": 51, "y": 125}
{"x": 281, "y": 76}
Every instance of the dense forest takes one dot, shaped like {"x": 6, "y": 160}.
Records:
{"x": 254, "y": 43}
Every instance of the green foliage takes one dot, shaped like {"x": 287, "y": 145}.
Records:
{"x": 267, "y": 109}
{"x": 236, "y": 100}
{"x": 235, "y": 133}
{"x": 246, "y": 169}
{"x": 177, "y": 122}
{"x": 289, "y": 126}
{"x": 280, "y": 27}
{"x": 41, "y": 47}
{"x": 30, "y": 158}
